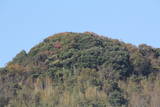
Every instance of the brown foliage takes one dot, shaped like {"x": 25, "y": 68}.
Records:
{"x": 15, "y": 67}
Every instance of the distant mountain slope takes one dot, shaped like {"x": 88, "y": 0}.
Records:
{"x": 80, "y": 62}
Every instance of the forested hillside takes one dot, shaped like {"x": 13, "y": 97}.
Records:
{"x": 82, "y": 70}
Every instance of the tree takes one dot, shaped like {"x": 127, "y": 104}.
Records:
{"x": 20, "y": 57}
{"x": 116, "y": 95}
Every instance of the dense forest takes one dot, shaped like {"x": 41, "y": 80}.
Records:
{"x": 82, "y": 70}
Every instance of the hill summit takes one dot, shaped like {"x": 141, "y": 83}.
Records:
{"x": 86, "y": 50}
{"x": 72, "y": 65}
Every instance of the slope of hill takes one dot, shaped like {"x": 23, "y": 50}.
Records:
{"x": 82, "y": 70}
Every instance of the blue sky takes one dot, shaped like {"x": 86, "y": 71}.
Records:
{"x": 24, "y": 23}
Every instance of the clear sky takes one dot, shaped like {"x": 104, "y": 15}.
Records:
{"x": 24, "y": 23}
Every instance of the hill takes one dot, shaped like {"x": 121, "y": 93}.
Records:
{"x": 82, "y": 70}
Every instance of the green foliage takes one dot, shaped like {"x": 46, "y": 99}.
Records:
{"x": 88, "y": 50}
{"x": 116, "y": 99}
{"x": 3, "y": 101}
{"x": 79, "y": 69}
{"x": 141, "y": 65}
{"x": 20, "y": 58}
{"x": 116, "y": 95}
